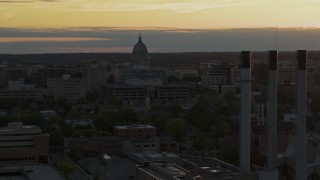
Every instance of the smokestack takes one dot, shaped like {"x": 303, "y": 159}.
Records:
{"x": 245, "y": 116}
{"x": 272, "y": 111}
{"x": 301, "y": 79}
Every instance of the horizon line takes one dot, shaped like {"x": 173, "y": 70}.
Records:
{"x": 177, "y": 52}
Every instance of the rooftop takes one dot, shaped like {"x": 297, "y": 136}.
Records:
{"x": 163, "y": 170}
{"x": 30, "y": 172}
{"x": 134, "y": 126}
{"x": 18, "y": 128}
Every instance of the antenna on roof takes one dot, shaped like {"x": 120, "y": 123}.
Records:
{"x": 277, "y": 37}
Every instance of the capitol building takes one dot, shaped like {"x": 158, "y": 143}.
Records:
{"x": 140, "y": 55}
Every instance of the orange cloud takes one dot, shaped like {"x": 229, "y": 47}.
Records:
{"x": 49, "y": 39}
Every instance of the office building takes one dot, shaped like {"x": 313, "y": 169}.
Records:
{"x": 23, "y": 144}
{"x": 72, "y": 89}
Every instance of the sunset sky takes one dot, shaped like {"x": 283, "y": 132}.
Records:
{"x": 128, "y": 17}
{"x": 160, "y": 13}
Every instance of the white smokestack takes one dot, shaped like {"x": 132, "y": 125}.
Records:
{"x": 272, "y": 111}
{"x": 245, "y": 116}
{"x": 301, "y": 79}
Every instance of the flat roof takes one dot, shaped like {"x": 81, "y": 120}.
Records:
{"x": 40, "y": 171}
{"x": 135, "y": 126}
{"x": 23, "y": 130}
{"x": 163, "y": 171}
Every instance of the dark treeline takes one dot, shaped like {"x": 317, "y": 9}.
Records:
{"x": 157, "y": 59}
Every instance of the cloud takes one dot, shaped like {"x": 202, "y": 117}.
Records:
{"x": 27, "y": 1}
{"x": 148, "y": 5}
{"x": 14, "y": 2}
{"x": 49, "y": 39}
{"x": 157, "y": 40}
{"x": 180, "y": 6}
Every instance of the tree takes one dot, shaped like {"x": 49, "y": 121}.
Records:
{"x": 62, "y": 102}
{"x": 56, "y": 138}
{"x": 115, "y": 102}
{"x": 199, "y": 141}
{"x": 160, "y": 120}
{"x": 56, "y": 119}
{"x": 230, "y": 156}
{"x": 173, "y": 79}
{"x": 105, "y": 120}
{"x": 177, "y": 130}
{"x": 92, "y": 96}
{"x": 220, "y": 129}
{"x": 29, "y": 117}
{"x": 66, "y": 168}
{"x": 176, "y": 109}
{"x": 97, "y": 174}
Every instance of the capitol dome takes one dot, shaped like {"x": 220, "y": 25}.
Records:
{"x": 140, "y": 49}
{"x": 140, "y": 55}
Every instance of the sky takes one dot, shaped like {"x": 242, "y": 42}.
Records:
{"x": 40, "y": 26}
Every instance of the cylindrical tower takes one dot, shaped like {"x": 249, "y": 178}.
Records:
{"x": 245, "y": 117}
{"x": 272, "y": 111}
{"x": 301, "y": 136}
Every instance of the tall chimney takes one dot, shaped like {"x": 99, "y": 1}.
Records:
{"x": 301, "y": 79}
{"x": 245, "y": 116}
{"x": 272, "y": 111}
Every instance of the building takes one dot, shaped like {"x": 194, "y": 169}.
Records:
{"x": 138, "y": 94}
{"x": 289, "y": 117}
{"x": 79, "y": 122}
{"x": 140, "y": 55}
{"x": 19, "y": 90}
{"x": 133, "y": 76}
{"x": 162, "y": 170}
{"x": 144, "y": 157}
{"x": 211, "y": 168}
{"x": 12, "y": 74}
{"x": 40, "y": 75}
{"x": 36, "y": 94}
{"x": 133, "y": 132}
{"x": 168, "y": 145}
{"x": 72, "y": 89}
{"x": 23, "y": 144}
{"x": 220, "y": 78}
{"x": 46, "y": 114}
{"x": 149, "y": 145}
{"x": 96, "y": 75}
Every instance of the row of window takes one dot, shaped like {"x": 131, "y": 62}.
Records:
{"x": 18, "y": 159}
{"x": 146, "y": 145}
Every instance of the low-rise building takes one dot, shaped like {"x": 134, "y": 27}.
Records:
{"x": 150, "y": 145}
{"x": 79, "y": 122}
{"x": 138, "y": 94}
{"x": 168, "y": 145}
{"x": 23, "y": 144}
{"x": 46, "y": 114}
{"x": 132, "y": 132}
{"x": 162, "y": 170}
